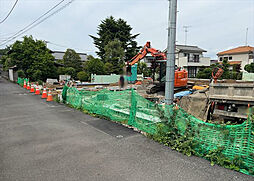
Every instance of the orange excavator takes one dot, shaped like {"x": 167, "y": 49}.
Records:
{"x": 181, "y": 75}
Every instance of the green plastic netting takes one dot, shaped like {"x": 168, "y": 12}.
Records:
{"x": 21, "y": 81}
{"x": 130, "y": 108}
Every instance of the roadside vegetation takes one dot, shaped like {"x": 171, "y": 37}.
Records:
{"x": 206, "y": 73}
{"x": 115, "y": 42}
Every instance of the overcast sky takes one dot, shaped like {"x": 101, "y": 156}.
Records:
{"x": 215, "y": 25}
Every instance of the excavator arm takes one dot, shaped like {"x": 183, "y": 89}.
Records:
{"x": 144, "y": 51}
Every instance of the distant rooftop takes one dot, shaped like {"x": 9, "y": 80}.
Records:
{"x": 59, "y": 55}
{"x": 188, "y": 48}
{"x": 238, "y": 50}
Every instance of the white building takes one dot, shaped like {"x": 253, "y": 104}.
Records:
{"x": 191, "y": 58}
{"x": 242, "y": 55}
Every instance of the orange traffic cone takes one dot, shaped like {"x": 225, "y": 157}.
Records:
{"x": 28, "y": 86}
{"x": 44, "y": 93}
{"x": 50, "y": 97}
{"x": 24, "y": 86}
{"x": 32, "y": 89}
{"x": 37, "y": 91}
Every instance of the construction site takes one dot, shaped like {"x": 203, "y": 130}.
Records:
{"x": 125, "y": 108}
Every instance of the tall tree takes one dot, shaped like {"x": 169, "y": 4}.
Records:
{"x": 114, "y": 54}
{"x": 72, "y": 59}
{"x": 111, "y": 29}
{"x": 33, "y": 57}
{"x": 94, "y": 66}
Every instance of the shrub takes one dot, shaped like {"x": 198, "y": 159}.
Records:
{"x": 83, "y": 76}
{"x": 21, "y": 74}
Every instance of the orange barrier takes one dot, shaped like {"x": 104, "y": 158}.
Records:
{"x": 32, "y": 88}
{"x": 24, "y": 86}
{"x": 50, "y": 97}
{"x": 28, "y": 86}
{"x": 37, "y": 91}
{"x": 44, "y": 93}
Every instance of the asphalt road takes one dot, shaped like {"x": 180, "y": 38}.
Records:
{"x": 49, "y": 141}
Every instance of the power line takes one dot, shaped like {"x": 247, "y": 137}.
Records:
{"x": 9, "y": 12}
{"x": 64, "y": 46}
{"x": 32, "y": 25}
{"x": 13, "y": 36}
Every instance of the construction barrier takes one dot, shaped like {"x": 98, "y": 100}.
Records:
{"x": 130, "y": 108}
{"x": 20, "y": 81}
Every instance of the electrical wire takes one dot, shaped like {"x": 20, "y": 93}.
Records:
{"x": 32, "y": 25}
{"x": 64, "y": 46}
{"x": 23, "y": 29}
{"x": 9, "y": 12}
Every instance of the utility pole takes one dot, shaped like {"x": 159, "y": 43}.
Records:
{"x": 186, "y": 33}
{"x": 170, "y": 69}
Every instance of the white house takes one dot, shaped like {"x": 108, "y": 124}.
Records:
{"x": 191, "y": 58}
{"x": 242, "y": 55}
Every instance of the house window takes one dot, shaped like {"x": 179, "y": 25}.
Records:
{"x": 192, "y": 72}
{"x": 225, "y": 58}
{"x": 196, "y": 58}
{"x": 186, "y": 54}
{"x": 250, "y": 56}
{"x": 221, "y": 59}
{"x": 230, "y": 58}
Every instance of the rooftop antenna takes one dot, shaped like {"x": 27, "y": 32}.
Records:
{"x": 246, "y": 41}
{"x": 186, "y": 33}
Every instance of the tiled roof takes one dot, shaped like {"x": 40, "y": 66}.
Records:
{"x": 232, "y": 62}
{"x": 238, "y": 50}
{"x": 188, "y": 48}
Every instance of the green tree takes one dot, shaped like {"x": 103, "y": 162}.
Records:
{"x": 21, "y": 74}
{"x": 71, "y": 71}
{"x": 205, "y": 73}
{"x": 94, "y": 66}
{"x": 72, "y": 59}
{"x": 142, "y": 68}
{"x": 111, "y": 29}
{"x": 83, "y": 76}
{"x": 249, "y": 68}
{"x": 114, "y": 54}
{"x": 32, "y": 56}
{"x": 61, "y": 71}
{"x": 108, "y": 68}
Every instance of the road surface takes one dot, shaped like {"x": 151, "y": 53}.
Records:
{"x": 52, "y": 142}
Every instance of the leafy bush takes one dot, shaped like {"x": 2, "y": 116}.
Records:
{"x": 21, "y": 74}
{"x": 37, "y": 75}
{"x": 83, "y": 76}
{"x": 33, "y": 57}
{"x": 40, "y": 82}
{"x": 71, "y": 71}
{"x": 249, "y": 68}
{"x": 67, "y": 71}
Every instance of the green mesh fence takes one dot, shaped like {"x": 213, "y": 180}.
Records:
{"x": 130, "y": 108}
{"x": 20, "y": 81}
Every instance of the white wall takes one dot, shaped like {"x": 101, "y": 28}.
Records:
{"x": 11, "y": 75}
{"x": 244, "y": 58}
{"x": 183, "y": 62}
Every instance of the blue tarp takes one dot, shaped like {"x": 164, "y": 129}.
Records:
{"x": 181, "y": 94}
